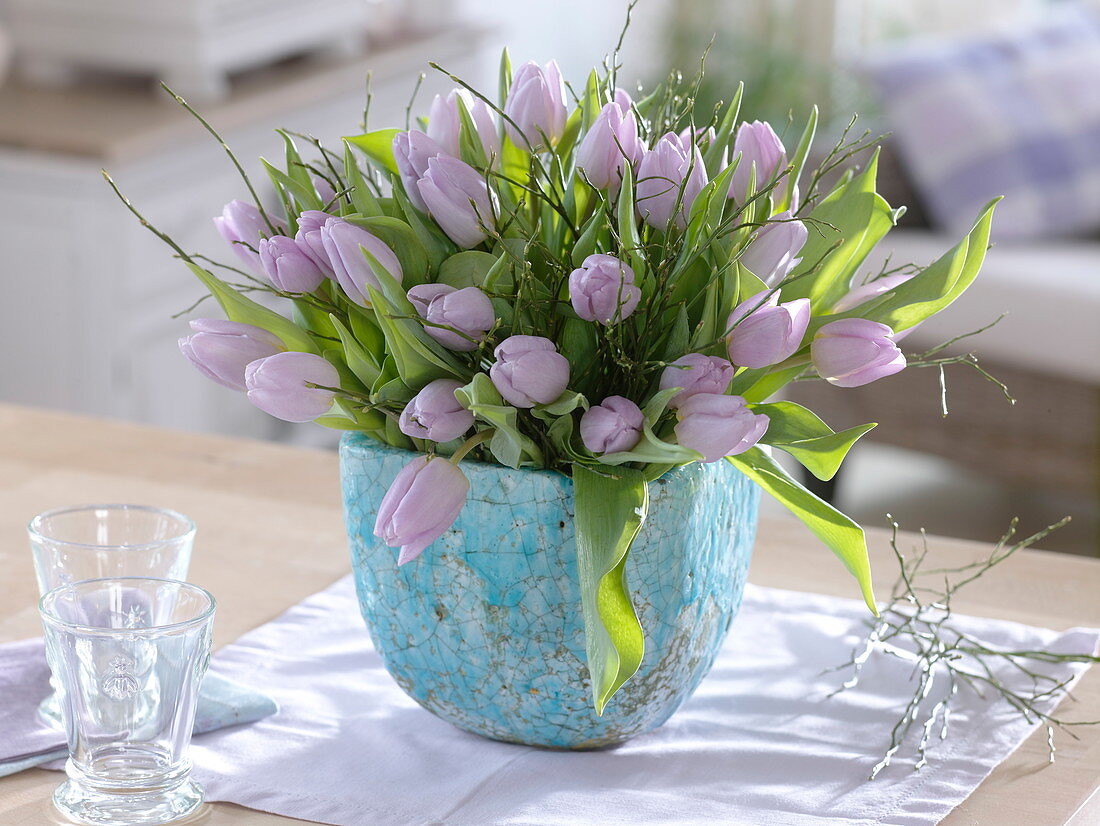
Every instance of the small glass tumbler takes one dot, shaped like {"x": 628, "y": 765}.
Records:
{"x": 97, "y": 541}
{"x": 128, "y": 655}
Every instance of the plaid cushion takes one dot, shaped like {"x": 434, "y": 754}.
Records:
{"x": 1014, "y": 114}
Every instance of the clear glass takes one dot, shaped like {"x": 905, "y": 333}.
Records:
{"x": 97, "y": 541}
{"x": 127, "y": 655}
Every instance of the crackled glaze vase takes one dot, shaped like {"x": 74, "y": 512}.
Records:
{"x": 485, "y": 628}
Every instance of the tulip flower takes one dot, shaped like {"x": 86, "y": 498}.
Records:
{"x": 434, "y": 413}
{"x": 670, "y": 177}
{"x": 763, "y": 332}
{"x": 242, "y": 226}
{"x": 615, "y": 424}
{"x": 717, "y": 425}
{"x": 469, "y": 311}
{"x": 324, "y": 190}
{"x": 873, "y": 289}
{"x": 602, "y": 289}
{"x": 696, "y": 373}
{"x": 855, "y": 351}
{"x": 288, "y": 266}
{"x": 609, "y": 145}
{"x": 529, "y": 370}
{"x": 760, "y": 149}
{"x": 773, "y": 251}
{"x": 309, "y": 239}
{"x": 283, "y": 385}
{"x": 458, "y": 198}
{"x": 344, "y": 244}
{"x": 411, "y": 152}
{"x": 421, "y": 504}
{"x": 444, "y": 122}
{"x": 536, "y": 105}
{"x": 222, "y": 349}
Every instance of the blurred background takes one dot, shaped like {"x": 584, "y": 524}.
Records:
{"x": 980, "y": 98}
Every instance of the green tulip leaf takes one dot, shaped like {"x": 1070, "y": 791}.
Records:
{"x": 246, "y": 311}
{"x": 797, "y": 431}
{"x": 378, "y": 146}
{"x": 610, "y": 509}
{"x": 358, "y": 358}
{"x": 362, "y": 199}
{"x": 862, "y": 217}
{"x": 843, "y": 536}
{"x": 466, "y": 269}
{"x": 399, "y": 237}
{"x": 508, "y": 445}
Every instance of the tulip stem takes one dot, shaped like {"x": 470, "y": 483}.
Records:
{"x": 470, "y": 444}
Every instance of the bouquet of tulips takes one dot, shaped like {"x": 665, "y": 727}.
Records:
{"x": 586, "y": 280}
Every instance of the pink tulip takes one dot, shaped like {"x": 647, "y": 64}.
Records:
{"x": 288, "y": 266}
{"x": 614, "y": 425}
{"x": 459, "y": 200}
{"x": 536, "y": 104}
{"x": 855, "y": 351}
{"x": 344, "y": 244}
{"x": 765, "y": 332}
{"x": 469, "y": 311}
{"x": 760, "y": 149}
{"x": 670, "y": 177}
{"x": 411, "y": 152}
{"x": 421, "y": 505}
{"x": 242, "y": 226}
{"x": 696, "y": 373}
{"x": 222, "y": 349}
{"x": 444, "y": 122}
{"x": 529, "y": 370}
{"x": 435, "y": 413}
{"x": 283, "y": 385}
{"x": 773, "y": 250}
{"x": 717, "y": 425}
{"x": 873, "y": 289}
{"x": 309, "y": 239}
{"x": 610, "y": 144}
{"x": 602, "y": 289}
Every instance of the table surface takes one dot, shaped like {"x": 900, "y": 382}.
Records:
{"x": 271, "y": 533}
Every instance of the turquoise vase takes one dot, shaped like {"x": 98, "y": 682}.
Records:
{"x": 485, "y": 628}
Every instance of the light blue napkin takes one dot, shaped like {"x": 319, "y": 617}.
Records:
{"x": 27, "y": 741}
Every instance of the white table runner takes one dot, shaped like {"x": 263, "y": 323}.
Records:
{"x": 758, "y": 744}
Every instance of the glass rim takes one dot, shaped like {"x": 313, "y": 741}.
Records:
{"x": 154, "y": 630}
{"x": 34, "y": 527}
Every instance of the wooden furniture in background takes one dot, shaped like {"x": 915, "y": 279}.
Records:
{"x": 270, "y": 533}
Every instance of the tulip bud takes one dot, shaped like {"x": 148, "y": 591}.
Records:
{"x": 717, "y": 425}
{"x": 469, "y": 311}
{"x": 855, "y": 351}
{"x": 536, "y": 104}
{"x": 344, "y": 244}
{"x": 421, "y": 504}
{"x": 772, "y": 252}
{"x": 609, "y": 145}
{"x": 622, "y": 97}
{"x": 760, "y": 149}
{"x": 242, "y": 226}
{"x": 444, "y": 123}
{"x": 288, "y": 266}
{"x": 222, "y": 349}
{"x": 873, "y": 289}
{"x": 615, "y": 424}
{"x": 458, "y": 198}
{"x": 670, "y": 177}
{"x": 282, "y": 385}
{"x": 324, "y": 190}
{"x": 309, "y": 239}
{"x": 602, "y": 289}
{"x": 696, "y": 373}
{"x": 411, "y": 152}
{"x": 765, "y": 332}
{"x": 434, "y": 413}
{"x": 529, "y": 370}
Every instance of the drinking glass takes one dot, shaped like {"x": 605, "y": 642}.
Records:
{"x": 128, "y": 655}
{"x": 97, "y": 541}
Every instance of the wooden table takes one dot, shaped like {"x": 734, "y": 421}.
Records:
{"x": 271, "y": 533}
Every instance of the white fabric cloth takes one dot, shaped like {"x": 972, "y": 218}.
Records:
{"x": 759, "y": 743}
